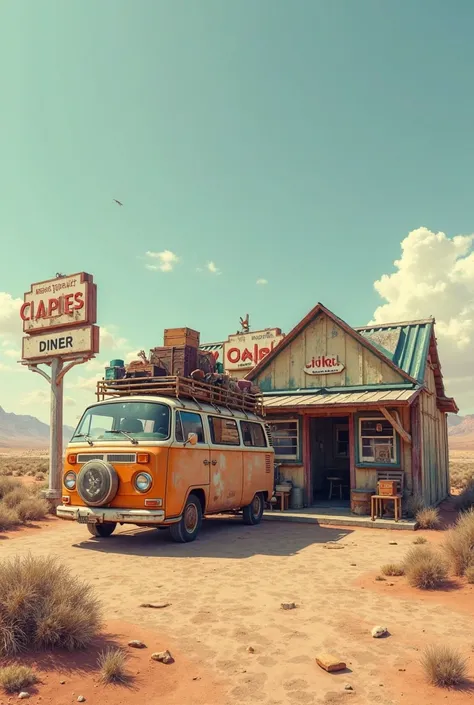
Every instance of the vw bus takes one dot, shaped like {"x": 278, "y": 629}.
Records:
{"x": 160, "y": 461}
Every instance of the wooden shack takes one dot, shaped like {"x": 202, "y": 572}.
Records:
{"x": 348, "y": 407}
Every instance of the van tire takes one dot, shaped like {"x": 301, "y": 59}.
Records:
{"x": 188, "y": 527}
{"x": 253, "y": 512}
{"x": 102, "y": 531}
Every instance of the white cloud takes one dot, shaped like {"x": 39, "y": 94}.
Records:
{"x": 5, "y": 368}
{"x": 109, "y": 338}
{"x": 262, "y": 282}
{"x": 37, "y": 396}
{"x": 212, "y": 267}
{"x": 10, "y": 321}
{"x": 87, "y": 383}
{"x": 435, "y": 277}
{"x": 166, "y": 261}
{"x": 69, "y": 401}
{"x": 16, "y": 354}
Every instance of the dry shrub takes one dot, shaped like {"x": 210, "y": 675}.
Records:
{"x": 465, "y": 500}
{"x": 420, "y": 540}
{"x": 459, "y": 543}
{"x": 13, "y": 498}
{"x": 470, "y": 574}
{"x": 392, "y": 569}
{"x": 13, "y": 679}
{"x": 112, "y": 664}
{"x": 425, "y": 568}
{"x": 444, "y": 666}
{"x": 8, "y": 518}
{"x": 44, "y": 606}
{"x": 428, "y": 518}
{"x": 7, "y": 485}
{"x": 414, "y": 504}
{"x": 32, "y": 509}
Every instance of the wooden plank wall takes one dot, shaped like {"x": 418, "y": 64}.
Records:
{"x": 435, "y": 455}
{"x": 323, "y": 337}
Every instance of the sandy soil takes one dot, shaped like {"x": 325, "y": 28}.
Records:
{"x": 225, "y": 592}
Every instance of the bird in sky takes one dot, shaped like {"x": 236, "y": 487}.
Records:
{"x": 120, "y": 204}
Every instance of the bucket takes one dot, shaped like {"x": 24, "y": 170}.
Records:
{"x": 296, "y": 498}
{"x": 116, "y": 363}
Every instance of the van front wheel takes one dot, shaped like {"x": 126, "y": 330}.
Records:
{"x": 253, "y": 512}
{"x": 187, "y": 528}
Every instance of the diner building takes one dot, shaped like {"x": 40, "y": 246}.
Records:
{"x": 348, "y": 407}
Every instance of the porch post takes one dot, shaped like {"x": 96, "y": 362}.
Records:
{"x": 308, "y": 490}
{"x": 352, "y": 451}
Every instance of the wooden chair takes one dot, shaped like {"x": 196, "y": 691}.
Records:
{"x": 284, "y": 500}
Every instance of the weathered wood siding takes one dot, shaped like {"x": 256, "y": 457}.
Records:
{"x": 323, "y": 337}
{"x": 434, "y": 437}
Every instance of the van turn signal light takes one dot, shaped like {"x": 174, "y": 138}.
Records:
{"x": 143, "y": 458}
{"x": 72, "y": 459}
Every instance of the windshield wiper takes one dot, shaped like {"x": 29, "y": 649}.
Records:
{"x": 85, "y": 436}
{"x": 127, "y": 435}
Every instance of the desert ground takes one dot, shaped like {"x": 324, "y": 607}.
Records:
{"x": 230, "y": 639}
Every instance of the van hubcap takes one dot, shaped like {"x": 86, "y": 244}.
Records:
{"x": 256, "y": 504}
{"x": 191, "y": 518}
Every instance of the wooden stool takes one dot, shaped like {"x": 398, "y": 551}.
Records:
{"x": 376, "y": 505}
{"x": 335, "y": 481}
{"x": 284, "y": 498}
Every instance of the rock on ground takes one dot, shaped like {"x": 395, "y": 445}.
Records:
{"x": 378, "y": 632}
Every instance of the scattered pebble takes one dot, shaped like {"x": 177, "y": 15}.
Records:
{"x": 288, "y": 606}
{"x": 330, "y": 663}
{"x": 402, "y": 670}
{"x": 23, "y": 695}
{"x": 135, "y": 644}
{"x": 378, "y": 632}
{"x": 156, "y": 605}
{"x": 334, "y": 546}
{"x": 196, "y": 678}
{"x": 348, "y": 687}
{"x": 81, "y": 699}
{"x": 353, "y": 565}
{"x": 162, "y": 657}
{"x": 392, "y": 543}
{"x": 62, "y": 682}
{"x": 250, "y": 649}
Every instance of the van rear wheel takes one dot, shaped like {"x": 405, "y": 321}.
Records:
{"x": 102, "y": 531}
{"x": 253, "y": 512}
{"x": 187, "y": 528}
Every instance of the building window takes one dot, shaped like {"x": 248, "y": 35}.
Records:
{"x": 224, "y": 431}
{"x": 285, "y": 436}
{"x": 377, "y": 442}
{"x": 252, "y": 434}
{"x": 342, "y": 441}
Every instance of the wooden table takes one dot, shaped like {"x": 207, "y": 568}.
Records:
{"x": 376, "y": 505}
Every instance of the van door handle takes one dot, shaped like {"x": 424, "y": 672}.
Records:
{"x": 214, "y": 462}
{"x": 206, "y": 462}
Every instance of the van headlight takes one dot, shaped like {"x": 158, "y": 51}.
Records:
{"x": 143, "y": 482}
{"x": 70, "y": 480}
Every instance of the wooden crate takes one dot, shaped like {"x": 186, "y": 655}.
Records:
{"x": 387, "y": 488}
{"x": 179, "y": 360}
{"x": 181, "y": 336}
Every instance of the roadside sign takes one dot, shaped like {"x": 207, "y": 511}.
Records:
{"x": 62, "y": 343}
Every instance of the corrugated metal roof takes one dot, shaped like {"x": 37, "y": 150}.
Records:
{"x": 405, "y": 344}
{"x": 388, "y": 396}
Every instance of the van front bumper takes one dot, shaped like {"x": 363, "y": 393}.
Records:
{"x": 99, "y": 515}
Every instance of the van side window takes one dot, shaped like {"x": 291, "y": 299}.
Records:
{"x": 224, "y": 431}
{"x": 253, "y": 434}
{"x": 187, "y": 422}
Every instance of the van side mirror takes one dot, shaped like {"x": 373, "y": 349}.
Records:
{"x": 192, "y": 439}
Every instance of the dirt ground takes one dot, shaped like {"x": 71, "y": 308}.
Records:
{"x": 225, "y": 592}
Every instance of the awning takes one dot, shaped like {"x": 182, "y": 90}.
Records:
{"x": 396, "y": 397}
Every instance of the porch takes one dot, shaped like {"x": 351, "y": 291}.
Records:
{"x": 337, "y": 516}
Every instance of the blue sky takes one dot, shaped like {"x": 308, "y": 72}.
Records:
{"x": 297, "y": 142}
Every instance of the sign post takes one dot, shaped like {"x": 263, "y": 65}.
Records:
{"x": 59, "y": 317}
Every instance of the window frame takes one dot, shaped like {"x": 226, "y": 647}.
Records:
{"x": 287, "y": 459}
{"x": 210, "y": 419}
{"x": 361, "y": 463}
{"x": 260, "y": 426}
{"x": 178, "y": 416}
{"x": 341, "y": 427}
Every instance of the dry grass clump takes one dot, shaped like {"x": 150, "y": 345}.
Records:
{"x": 18, "y": 466}
{"x": 414, "y": 504}
{"x": 444, "y": 666}
{"x": 461, "y": 469}
{"x": 392, "y": 569}
{"x": 465, "y": 500}
{"x": 19, "y": 504}
{"x": 424, "y": 568}
{"x": 8, "y": 518}
{"x": 44, "y": 606}
{"x": 112, "y": 664}
{"x": 428, "y": 518}
{"x": 14, "y": 679}
{"x": 420, "y": 540}
{"x": 459, "y": 543}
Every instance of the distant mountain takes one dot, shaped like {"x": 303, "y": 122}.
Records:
{"x": 18, "y": 431}
{"x": 461, "y": 432}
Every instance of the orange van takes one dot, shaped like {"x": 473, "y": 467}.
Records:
{"x": 165, "y": 462}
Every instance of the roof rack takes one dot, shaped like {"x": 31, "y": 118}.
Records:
{"x": 180, "y": 387}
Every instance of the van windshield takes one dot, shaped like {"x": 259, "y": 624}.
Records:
{"x": 140, "y": 420}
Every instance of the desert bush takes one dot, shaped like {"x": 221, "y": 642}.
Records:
{"x": 8, "y": 518}
{"x": 465, "y": 500}
{"x": 18, "y": 494}
{"x": 392, "y": 569}
{"x": 414, "y": 504}
{"x": 44, "y": 606}
{"x": 15, "y": 678}
{"x": 112, "y": 664}
{"x": 32, "y": 509}
{"x": 420, "y": 540}
{"x": 428, "y": 518}
{"x": 470, "y": 574}
{"x": 459, "y": 543}
{"x": 7, "y": 485}
{"x": 444, "y": 666}
{"x": 425, "y": 568}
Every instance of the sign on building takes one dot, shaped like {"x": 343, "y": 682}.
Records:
{"x": 244, "y": 351}
{"x": 324, "y": 365}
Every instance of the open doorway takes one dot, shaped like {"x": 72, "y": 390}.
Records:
{"x": 330, "y": 461}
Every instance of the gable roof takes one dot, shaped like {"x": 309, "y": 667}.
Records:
{"x": 314, "y": 313}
